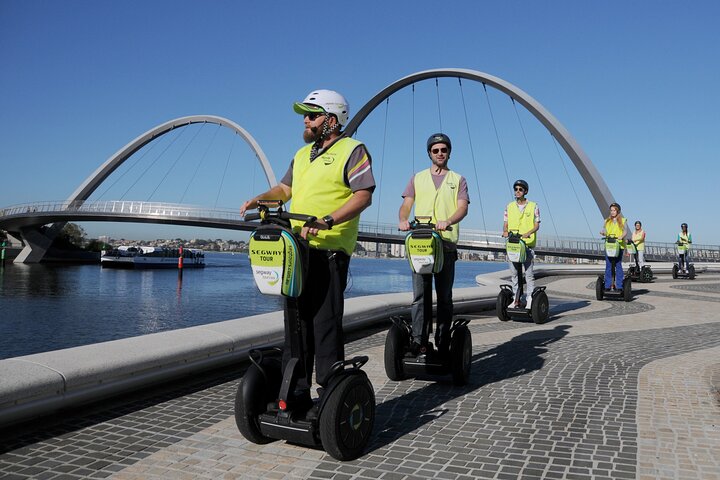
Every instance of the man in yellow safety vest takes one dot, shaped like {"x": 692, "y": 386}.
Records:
{"x": 331, "y": 178}
{"x": 522, "y": 216}
{"x": 442, "y": 194}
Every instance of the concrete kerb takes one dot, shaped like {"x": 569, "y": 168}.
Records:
{"x": 40, "y": 384}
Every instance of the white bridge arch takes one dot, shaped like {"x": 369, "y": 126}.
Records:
{"x": 591, "y": 176}
{"x": 84, "y": 191}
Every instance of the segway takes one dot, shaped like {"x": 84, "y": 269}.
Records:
{"x": 266, "y": 408}
{"x": 635, "y": 272}
{"x": 612, "y": 250}
{"x": 687, "y": 269}
{"x": 424, "y": 250}
{"x": 516, "y": 251}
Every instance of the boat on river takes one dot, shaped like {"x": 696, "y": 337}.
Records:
{"x": 151, "y": 257}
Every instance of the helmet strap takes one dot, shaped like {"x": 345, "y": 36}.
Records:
{"x": 326, "y": 129}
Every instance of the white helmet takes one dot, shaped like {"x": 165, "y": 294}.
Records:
{"x": 325, "y": 101}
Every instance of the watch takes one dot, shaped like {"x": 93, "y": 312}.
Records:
{"x": 329, "y": 220}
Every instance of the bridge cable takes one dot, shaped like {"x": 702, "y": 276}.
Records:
{"x": 437, "y": 90}
{"x": 562, "y": 161}
{"x": 472, "y": 154}
{"x": 202, "y": 159}
{"x": 497, "y": 137}
{"x": 382, "y": 162}
{"x": 412, "y": 147}
{"x": 227, "y": 162}
{"x": 172, "y": 167}
{"x": 127, "y": 170}
{"x": 154, "y": 161}
{"x": 537, "y": 173}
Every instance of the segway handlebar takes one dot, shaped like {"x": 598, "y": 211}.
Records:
{"x": 279, "y": 215}
{"x": 425, "y": 223}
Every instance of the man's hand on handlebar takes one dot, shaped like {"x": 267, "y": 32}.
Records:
{"x": 442, "y": 225}
{"x": 404, "y": 225}
{"x": 247, "y": 205}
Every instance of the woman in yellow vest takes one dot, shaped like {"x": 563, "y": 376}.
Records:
{"x": 615, "y": 226}
{"x": 522, "y": 216}
{"x": 638, "y": 238}
{"x": 442, "y": 194}
{"x": 684, "y": 239}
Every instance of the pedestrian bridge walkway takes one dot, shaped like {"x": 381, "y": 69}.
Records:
{"x": 602, "y": 390}
{"x": 18, "y": 217}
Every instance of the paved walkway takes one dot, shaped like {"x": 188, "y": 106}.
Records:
{"x": 603, "y": 390}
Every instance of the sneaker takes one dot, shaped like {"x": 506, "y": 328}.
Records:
{"x": 529, "y": 304}
{"x": 512, "y": 305}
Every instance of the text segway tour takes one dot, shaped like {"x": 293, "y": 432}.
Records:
{"x": 424, "y": 249}
{"x": 539, "y": 310}
{"x": 642, "y": 274}
{"x": 613, "y": 251}
{"x": 266, "y": 408}
{"x": 683, "y": 268}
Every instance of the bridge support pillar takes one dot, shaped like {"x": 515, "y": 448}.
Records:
{"x": 36, "y": 243}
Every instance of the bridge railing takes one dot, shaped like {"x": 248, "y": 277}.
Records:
{"x": 124, "y": 207}
{"x": 380, "y": 232}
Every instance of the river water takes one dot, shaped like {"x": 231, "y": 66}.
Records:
{"x": 49, "y": 307}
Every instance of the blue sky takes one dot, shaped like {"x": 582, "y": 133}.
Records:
{"x": 635, "y": 83}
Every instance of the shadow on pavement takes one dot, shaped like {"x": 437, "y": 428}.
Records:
{"x": 402, "y": 415}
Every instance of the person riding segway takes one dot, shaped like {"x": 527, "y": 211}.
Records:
{"x": 424, "y": 250}
{"x": 683, "y": 268}
{"x": 521, "y": 222}
{"x": 614, "y": 284}
{"x": 441, "y": 196}
{"x": 330, "y": 178}
{"x": 637, "y": 270}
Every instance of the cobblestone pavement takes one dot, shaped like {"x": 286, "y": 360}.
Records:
{"x": 603, "y": 390}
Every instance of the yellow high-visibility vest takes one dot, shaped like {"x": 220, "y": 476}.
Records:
{"x": 438, "y": 203}
{"x": 318, "y": 188}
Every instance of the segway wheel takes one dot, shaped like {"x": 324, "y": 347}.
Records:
{"x": 461, "y": 355}
{"x": 501, "y": 305}
{"x": 646, "y": 275}
{"x": 395, "y": 344}
{"x": 600, "y": 287}
{"x": 627, "y": 290}
{"x": 347, "y": 418}
{"x": 675, "y": 272}
{"x": 251, "y": 399}
{"x": 691, "y": 272}
{"x": 540, "y": 310}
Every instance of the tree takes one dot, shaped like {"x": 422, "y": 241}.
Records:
{"x": 74, "y": 234}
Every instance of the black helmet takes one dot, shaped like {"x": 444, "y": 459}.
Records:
{"x": 684, "y": 225}
{"x": 523, "y": 184}
{"x": 439, "y": 138}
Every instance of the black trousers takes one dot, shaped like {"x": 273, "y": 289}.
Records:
{"x": 319, "y": 308}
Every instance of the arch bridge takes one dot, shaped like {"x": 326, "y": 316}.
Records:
{"x": 26, "y": 221}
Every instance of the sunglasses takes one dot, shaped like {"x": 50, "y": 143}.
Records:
{"x": 519, "y": 189}
{"x": 313, "y": 116}
{"x": 438, "y": 150}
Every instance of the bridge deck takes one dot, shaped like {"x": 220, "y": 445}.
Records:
{"x": 603, "y": 390}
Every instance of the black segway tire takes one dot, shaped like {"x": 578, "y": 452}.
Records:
{"x": 347, "y": 418}
{"x": 501, "y": 305}
{"x": 675, "y": 272}
{"x": 395, "y": 343}
{"x": 461, "y": 355}
{"x": 251, "y": 399}
{"x": 600, "y": 287}
{"x": 646, "y": 275}
{"x": 691, "y": 272}
{"x": 540, "y": 310}
{"x": 627, "y": 290}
